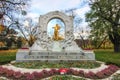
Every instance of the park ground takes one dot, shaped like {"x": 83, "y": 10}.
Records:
{"x": 104, "y": 55}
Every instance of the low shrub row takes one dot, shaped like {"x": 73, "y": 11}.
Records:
{"x": 4, "y": 48}
{"x": 15, "y": 75}
{"x": 65, "y": 77}
{"x": 63, "y": 64}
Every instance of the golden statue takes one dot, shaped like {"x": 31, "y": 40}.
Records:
{"x": 56, "y": 33}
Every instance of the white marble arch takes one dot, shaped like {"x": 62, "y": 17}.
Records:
{"x": 44, "y": 19}
{"x": 43, "y": 40}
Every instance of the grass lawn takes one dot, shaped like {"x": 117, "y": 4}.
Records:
{"x": 108, "y": 56}
{"x": 7, "y": 55}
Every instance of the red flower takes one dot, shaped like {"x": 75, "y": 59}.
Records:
{"x": 63, "y": 70}
{"x": 24, "y": 48}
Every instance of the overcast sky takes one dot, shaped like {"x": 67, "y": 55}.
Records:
{"x": 41, "y": 7}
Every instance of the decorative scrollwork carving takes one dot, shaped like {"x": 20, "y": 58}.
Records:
{"x": 68, "y": 40}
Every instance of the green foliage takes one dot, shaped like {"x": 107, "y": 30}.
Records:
{"x": 19, "y": 42}
{"x": 65, "y": 77}
{"x": 116, "y": 77}
{"x": 39, "y": 65}
{"x": 9, "y": 42}
{"x": 108, "y": 56}
{"x": 104, "y": 21}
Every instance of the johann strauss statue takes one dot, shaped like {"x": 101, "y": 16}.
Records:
{"x": 56, "y": 36}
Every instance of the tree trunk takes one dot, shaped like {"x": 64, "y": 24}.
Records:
{"x": 116, "y": 42}
{"x": 101, "y": 42}
{"x": 115, "y": 39}
{"x": 83, "y": 41}
{"x": 117, "y": 48}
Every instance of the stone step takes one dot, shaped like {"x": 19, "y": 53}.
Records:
{"x": 43, "y": 56}
{"x": 55, "y": 53}
{"x": 61, "y": 57}
{"x": 55, "y": 60}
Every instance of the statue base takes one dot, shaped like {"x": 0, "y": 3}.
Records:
{"x": 72, "y": 53}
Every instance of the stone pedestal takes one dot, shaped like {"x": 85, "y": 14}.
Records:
{"x": 56, "y": 47}
{"x": 23, "y": 55}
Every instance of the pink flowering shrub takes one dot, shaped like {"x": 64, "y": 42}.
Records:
{"x": 69, "y": 72}
{"x": 38, "y": 75}
{"x": 1, "y": 70}
{"x": 100, "y": 75}
{"x": 106, "y": 72}
{"x": 45, "y": 73}
{"x": 113, "y": 68}
{"x": 9, "y": 73}
{"x": 81, "y": 73}
{"x": 30, "y": 77}
{"x": 90, "y": 75}
{"x": 53, "y": 72}
{"x": 17, "y": 74}
{"x": 75, "y": 72}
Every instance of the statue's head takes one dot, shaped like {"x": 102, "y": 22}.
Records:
{"x": 56, "y": 24}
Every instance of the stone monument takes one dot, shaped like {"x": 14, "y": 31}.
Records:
{"x": 57, "y": 48}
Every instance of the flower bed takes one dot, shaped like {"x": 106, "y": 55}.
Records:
{"x": 11, "y": 74}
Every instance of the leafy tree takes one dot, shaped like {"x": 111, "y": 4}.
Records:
{"x": 19, "y": 42}
{"x": 104, "y": 20}
{"x": 10, "y": 33}
{"x": 76, "y": 21}
{"x": 9, "y": 42}
{"x": 11, "y": 8}
{"x": 10, "y": 12}
{"x": 28, "y": 30}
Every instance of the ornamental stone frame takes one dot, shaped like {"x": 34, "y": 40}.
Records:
{"x": 67, "y": 20}
{"x": 46, "y": 49}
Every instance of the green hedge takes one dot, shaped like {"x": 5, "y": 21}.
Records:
{"x": 108, "y": 56}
